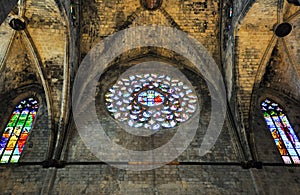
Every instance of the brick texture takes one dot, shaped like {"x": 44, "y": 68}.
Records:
{"x": 244, "y": 135}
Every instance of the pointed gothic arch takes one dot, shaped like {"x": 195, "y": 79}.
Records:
{"x": 282, "y": 132}
{"x": 17, "y": 130}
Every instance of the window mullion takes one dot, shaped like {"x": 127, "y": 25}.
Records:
{"x": 294, "y": 147}
{"x": 280, "y": 137}
{"x": 19, "y": 135}
{"x": 14, "y": 126}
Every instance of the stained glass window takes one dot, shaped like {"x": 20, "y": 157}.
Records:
{"x": 151, "y": 101}
{"x": 17, "y": 130}
{"x": 282, "y": 132}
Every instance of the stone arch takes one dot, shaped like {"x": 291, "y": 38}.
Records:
{"x": 74, "y": 147}
{"x": 284, "y": 52}
{"x": 260, "y": 140}
{"x": 49, "y": 37}
{"x": 6, "y": 42}
{"x": 47, "y": 40}
{"x": 278, "y": 71}
{"x": 41, "y": 138}
{"x": 256, "y": 25}
{"x": 129, "y": 59}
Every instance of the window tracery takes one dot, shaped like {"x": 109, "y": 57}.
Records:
{"x": 151, "y": 101}
{"x": 17, "y": 130}
{"x": 282, "y": 132}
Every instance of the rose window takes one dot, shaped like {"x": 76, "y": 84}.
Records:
{"x": 151, "y": 101}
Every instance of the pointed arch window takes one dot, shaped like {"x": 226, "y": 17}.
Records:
{"x": 282, "y": 132}
{"x": 17, "y": 130}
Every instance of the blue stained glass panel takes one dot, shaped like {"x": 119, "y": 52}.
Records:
{"x": 282, "y": 132}
{"x": 17, "y": 130}
{"x": 151, "y": 98}
{"x": 151, "y": 101}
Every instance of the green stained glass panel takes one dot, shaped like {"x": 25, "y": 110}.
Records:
{"x": 17, "y": 131}
{"x": 282, "y": 132}
{"x": 13, "y": 119}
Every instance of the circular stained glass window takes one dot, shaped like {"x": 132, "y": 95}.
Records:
{"x": 151, "y": 101}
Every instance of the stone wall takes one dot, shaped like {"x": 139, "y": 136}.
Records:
{"x": 176, "y": 179}
{"x": 199, "y": 19}
{"x": 22, "y": 179}
{"x": 19, "y": 68}
{"x": 225, "y": 150}
{"x": 47, "y": 29}
{"x": 40, "y": 55}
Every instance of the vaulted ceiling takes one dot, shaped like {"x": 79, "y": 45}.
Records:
{"x": 255, "y": 45}
{"x": 46, "y": 40}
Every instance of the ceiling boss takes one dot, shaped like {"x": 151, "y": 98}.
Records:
{"x": 151, "y": 4}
